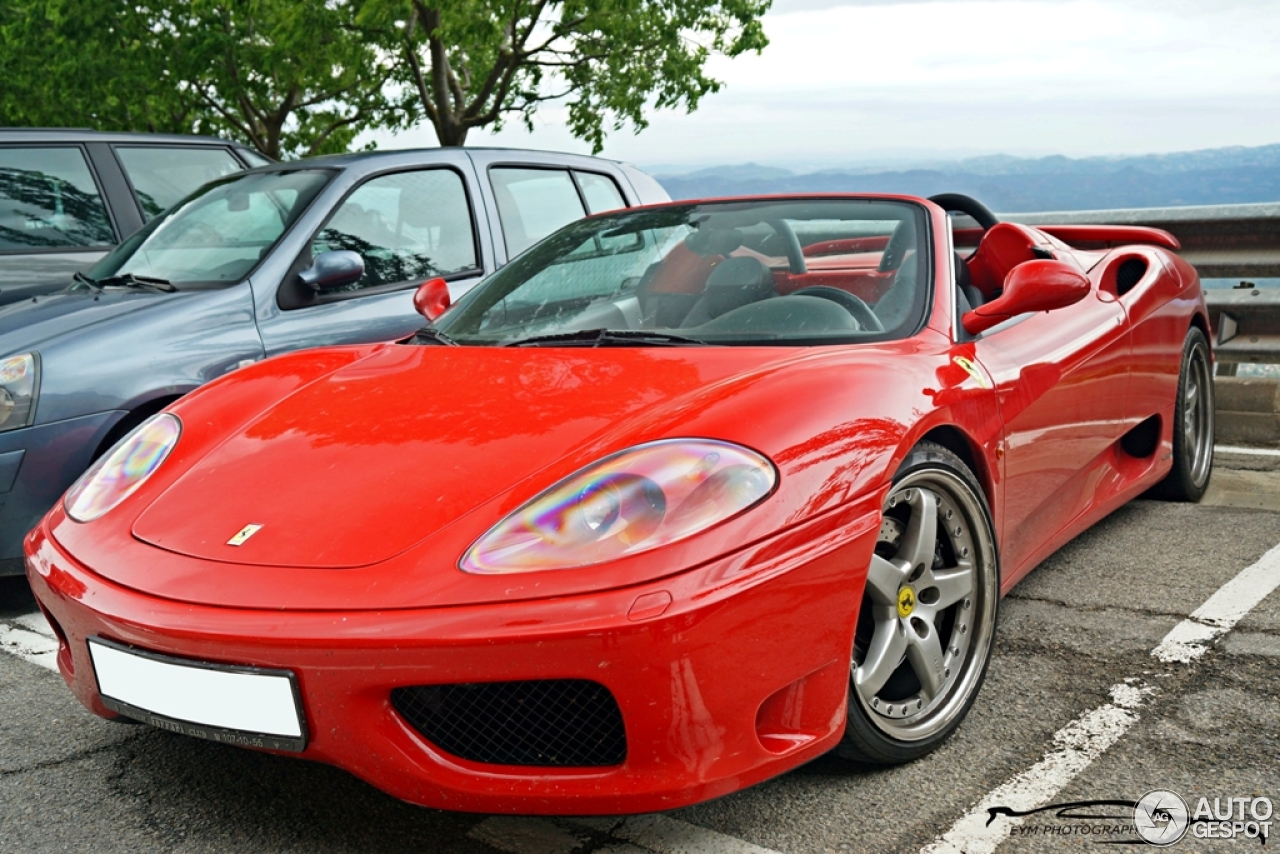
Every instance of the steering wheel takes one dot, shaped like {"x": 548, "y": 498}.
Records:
{"x": 967, "y": 205}
{"x": 854, "y": 305}
{"x": 795, "y": 255}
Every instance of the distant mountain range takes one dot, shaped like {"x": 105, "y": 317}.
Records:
{"x": 1210, "y": 177}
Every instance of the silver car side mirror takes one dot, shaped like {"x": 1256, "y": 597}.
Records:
{"x": 333, "y": 269}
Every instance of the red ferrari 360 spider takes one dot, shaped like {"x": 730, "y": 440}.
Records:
{"x": 681, "y": 498}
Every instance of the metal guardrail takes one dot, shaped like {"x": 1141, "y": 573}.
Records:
{"x": 1221, "y": 241}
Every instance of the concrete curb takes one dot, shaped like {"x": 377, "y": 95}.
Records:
{"x": 1248, "y": 411}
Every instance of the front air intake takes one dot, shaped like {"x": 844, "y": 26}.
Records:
{"x": 546, "y": 722}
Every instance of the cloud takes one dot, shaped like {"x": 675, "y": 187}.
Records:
{"x": 844, "y": 82}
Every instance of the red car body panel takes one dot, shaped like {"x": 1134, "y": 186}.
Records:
{"x": 728, "y": 652}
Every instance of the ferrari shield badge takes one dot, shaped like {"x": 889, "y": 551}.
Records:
{"x": 972, "y": 370}
{"x": 244, "y": 534}
{"x": 906, "y": 602}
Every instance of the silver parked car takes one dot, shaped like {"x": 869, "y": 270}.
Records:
{"x": 284, "y": 256}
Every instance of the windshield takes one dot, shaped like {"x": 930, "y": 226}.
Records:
{"x": 218, "y": 234}
{"x": 762, "y": 272}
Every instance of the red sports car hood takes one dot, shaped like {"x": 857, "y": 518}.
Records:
{"x": 378, "y": 455}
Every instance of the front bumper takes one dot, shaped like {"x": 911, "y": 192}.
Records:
{"x": 743, "y": 676}
{"x": 37, "y": 465}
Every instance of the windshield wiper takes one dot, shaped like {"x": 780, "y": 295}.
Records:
{"x": 606, "y": 337}
{"x": 91, "y": 283}
{"x": 431, "y": 335}
{"x": 132, "y": 280}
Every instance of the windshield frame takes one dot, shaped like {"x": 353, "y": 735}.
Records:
{"x": 531, "y": 262}
{"x": 130, "y": 245}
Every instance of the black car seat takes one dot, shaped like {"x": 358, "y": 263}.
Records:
{"x": 735, "y": 282}
{"x": 969, "y": 296}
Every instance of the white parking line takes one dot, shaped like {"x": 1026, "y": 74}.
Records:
{"x": 1257, "y": 452}
{"x": 31, "y": 640}
{"x": 34, "y": 622}
{"x": 1087, "y": 737}
{"x": 1219, "y": 614}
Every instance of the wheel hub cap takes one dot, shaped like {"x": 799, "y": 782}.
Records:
{"x": 906, "y": 601}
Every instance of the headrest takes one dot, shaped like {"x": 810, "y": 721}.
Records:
{"x": 714, "y": 241}
{"x": 737, "y": 282}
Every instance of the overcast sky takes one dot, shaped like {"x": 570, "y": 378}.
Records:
{"x": 883, "y": 82}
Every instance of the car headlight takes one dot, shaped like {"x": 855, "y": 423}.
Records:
{"x": 123, "y": 469}
{"x": 19, "y": 387}
{"x": 631, "y": 502}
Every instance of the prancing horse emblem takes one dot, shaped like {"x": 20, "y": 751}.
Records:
{"x": 243, "y": 534}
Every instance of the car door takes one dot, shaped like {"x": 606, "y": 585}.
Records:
{"x": 408, "y": 224}
{"x": 1061, "y": 380}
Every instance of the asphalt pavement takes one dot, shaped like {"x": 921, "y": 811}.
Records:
{"x": 1076, "y": 708}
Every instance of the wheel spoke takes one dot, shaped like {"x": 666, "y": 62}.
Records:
{"x": 922, "y": 530}
{"x": 925, "y": 655}
{"x": 952, "y": 584}
{"x": 888, "y": 645}
{"x": 884, "y": 577}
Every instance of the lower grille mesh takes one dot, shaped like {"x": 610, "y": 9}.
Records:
{"x": 547, "y": 722}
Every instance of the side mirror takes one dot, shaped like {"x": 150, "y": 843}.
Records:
{"x": 332, "y": 270}
{"x": 432, "y": 299}
{"x": 1040, "y": 285}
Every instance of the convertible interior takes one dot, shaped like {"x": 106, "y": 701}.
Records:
{"x": 756, "y": 272}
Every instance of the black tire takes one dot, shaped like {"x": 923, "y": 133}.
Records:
{"x": 1193, "y": 424}
{"x": 932, "y": 639}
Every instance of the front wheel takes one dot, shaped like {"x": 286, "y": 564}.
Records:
{"x": 1192, "y": 424}
{"x": 928, "y": 617}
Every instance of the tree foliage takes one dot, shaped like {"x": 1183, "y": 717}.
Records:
{"x": 299, "y": 77}
{"x": 289, "y": 77}
{"x": 475, "y": 63}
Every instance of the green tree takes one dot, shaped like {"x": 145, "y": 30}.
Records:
{"x": 476, "y": 63}
{"x": 289, "y": 77}
{"x": 80, "y": 63}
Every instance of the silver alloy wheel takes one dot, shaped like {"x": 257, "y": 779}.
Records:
{"x": 928, "y": 612}
{"x": 1197, "y": 414}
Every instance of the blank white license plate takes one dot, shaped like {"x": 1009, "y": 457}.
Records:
{"x": 248, "y": 706}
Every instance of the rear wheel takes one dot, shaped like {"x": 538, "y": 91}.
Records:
{"x": 1192, "y": 424}
{"x": 928, "y": 617}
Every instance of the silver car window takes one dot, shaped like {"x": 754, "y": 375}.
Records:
{"x": 407, "y": 226}
{"x": 48, "y": 200}
{"x": 162, "y": 176}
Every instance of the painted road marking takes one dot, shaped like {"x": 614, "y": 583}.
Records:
{"x": 1219, "y": 614}
{"x": 1257, "y": 452}
{"x": 643, "y": 834}
{"x": 31, "y": 640}
{"x": 35, "y": 622}
{"x": 1087, "y": 737}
